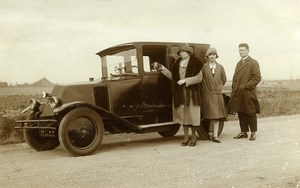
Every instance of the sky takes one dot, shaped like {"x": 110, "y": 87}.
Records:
{"x": 59, "y": 39}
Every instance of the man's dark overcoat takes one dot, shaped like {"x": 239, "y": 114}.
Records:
{"x": 245, "y": 79}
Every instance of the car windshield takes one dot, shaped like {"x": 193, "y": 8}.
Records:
{"x": 121, "y": 62}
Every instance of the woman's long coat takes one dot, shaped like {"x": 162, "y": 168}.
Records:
{"x": 245, "y": 79}
{"x": 212, "y": 102}
{"x": 187, "y": 114}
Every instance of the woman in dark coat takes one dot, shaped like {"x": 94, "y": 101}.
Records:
{"x": 212, "y": 102}
{"x": 186, "y": 77}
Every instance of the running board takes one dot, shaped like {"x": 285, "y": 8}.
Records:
{"x": 156, "y": 127}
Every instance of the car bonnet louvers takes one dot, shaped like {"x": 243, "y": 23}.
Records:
{"x": 101, "y": 97}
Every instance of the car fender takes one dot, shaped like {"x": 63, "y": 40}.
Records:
{"x": 65, "y": 108}
{"x": 72, "y": 105}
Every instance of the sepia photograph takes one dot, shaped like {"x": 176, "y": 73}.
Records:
{"x": 170, "y": 93}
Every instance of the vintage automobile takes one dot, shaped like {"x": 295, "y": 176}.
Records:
{"x": 130, "y": 97}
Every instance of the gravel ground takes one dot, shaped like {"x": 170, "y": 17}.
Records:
{"x": 148, "y": 160}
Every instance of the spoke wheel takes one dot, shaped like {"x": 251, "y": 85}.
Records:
{"x": 81, "y": 132}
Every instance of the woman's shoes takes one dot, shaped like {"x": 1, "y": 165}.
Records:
{"x": 188, "y": 142}
{"x": 192, "y": 144}
{"x": 185, "y": 143}
{"x": 216, "y": 139}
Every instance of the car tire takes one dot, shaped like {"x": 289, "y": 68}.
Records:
{"x": 174, "y": 129}
{"x": 81, "y": 131}
{"x": 202, "y": 130}
{"x": 37, "y": 142}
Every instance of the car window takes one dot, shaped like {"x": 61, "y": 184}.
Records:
{"x": 147, "y": 67}
{"x": 151, "y": 54}
{"x": 120, "y": 63}
{"x": 174, "y": 50}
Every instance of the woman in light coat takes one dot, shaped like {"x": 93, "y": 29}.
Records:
{"x": 186, "y": 77}
{"x": 212, "y": 102}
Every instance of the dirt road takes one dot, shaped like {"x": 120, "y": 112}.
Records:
{"x": 131, "y": 160}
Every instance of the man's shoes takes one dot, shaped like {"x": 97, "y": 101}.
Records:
{"x": 216, "y": 139}
{"x": 241, "y": 135}
{"x": 252, "y": 137}
{"x": 211, "y": 137}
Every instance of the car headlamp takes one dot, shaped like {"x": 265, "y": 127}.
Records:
{"x": 45, "y": 94}
{"x": 34, "y": 104}
{"x": 54, "y": 102}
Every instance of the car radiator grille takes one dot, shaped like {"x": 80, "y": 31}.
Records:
{"x": 101, "y": 97}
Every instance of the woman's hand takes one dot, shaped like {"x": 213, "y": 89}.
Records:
{"x": 181, "y": 82}
{"x": 158, "y": 67}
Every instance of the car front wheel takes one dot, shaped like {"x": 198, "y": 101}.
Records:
{"x": 39, "y": 143}
{"x": 81, "y": 131}
{"x": 38, "y": 139}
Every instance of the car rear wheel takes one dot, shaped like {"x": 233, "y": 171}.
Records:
{"x": 40, "y": 140}
{"x": 173, "y": 130}
{"x": 81, "y": 131}
{"x": 202, "y": 130}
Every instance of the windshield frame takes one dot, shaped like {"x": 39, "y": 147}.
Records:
{"x": 124, "y": 65}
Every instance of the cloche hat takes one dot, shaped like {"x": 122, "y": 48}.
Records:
{"x": 211, "y": 50}
{"x": 184, "y": 47}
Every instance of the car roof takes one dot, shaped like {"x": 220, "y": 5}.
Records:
{"x": 102, "y": 52}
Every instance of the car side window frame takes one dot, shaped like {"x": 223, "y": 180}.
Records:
{"x": 149, "y": 56}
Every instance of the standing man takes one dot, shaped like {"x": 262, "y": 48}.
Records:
{"x": 243, "y": 97}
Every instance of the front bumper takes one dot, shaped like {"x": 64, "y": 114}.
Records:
{"x": 37, "y": 124}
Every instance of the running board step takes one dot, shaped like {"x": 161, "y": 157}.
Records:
{"x": 157, "y": 125}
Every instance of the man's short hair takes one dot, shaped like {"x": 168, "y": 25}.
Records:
{"x": 244, "y": 45}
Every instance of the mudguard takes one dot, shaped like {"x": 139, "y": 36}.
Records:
{"x": 101, "y": 111}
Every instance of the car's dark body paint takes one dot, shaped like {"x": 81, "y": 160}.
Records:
{"x": 144, "y": 98}
{"x": 139, "y": 101}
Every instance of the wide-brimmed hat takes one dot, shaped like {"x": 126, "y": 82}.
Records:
{"x": 210, "y": 51}
{"x": 184, "y": 47}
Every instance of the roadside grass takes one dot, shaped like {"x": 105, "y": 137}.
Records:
{"x": 273, "y": 102}
{"x": 10, "y": 108}
{"x": 8, "y": 134}
{"x": 12, "y": 101}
